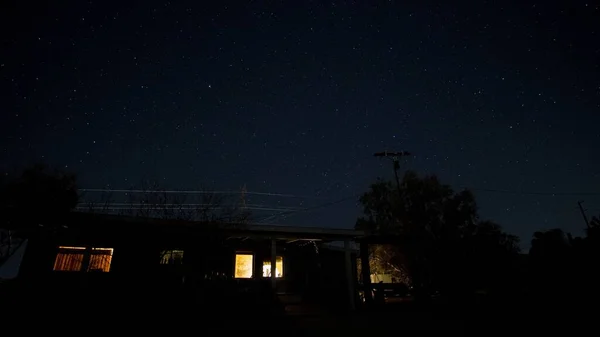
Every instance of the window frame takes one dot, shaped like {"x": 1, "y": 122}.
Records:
{"x": 283, "y": 269}
{"x": 253, "y": 263}
{"x": 171, "y": 251}
{"x": 87, "y": 258}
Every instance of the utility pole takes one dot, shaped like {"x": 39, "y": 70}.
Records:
{"x": 395, "y": 157}
{"x": 587, "y": 223}
{"x": 364, "y": 246}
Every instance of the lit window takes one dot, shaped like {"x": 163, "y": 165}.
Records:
{"x": 171, "y": 257}
{"x": 69, "y": 258}
{"x": 100, "y": 259}
{"x": 243, "y": 265}
{"x": 75, "y": 258}
{"x": 278, "y": 267}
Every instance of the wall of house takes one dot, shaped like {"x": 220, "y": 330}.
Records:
{"x": 334, "y": 283}
{"x": 205, "y": 276}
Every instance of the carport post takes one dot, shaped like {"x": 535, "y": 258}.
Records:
{"x": 273, "y": 264}
{"x": 366, "y": 271}
{"x": 349, "y": 274}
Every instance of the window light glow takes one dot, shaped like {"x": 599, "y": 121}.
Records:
{"x": 66, "y": 261}
{"x": 278, "y": 267}
{"x": 171, "y": 257}
{"x": 72, "y": 259}
{"x": 243, "y": 265}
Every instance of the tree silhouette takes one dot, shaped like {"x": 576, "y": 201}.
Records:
{"x": 37, "y": 195}
{"x": 593, "y": 231}
{"x": 445, "y": 246}
{"x": 562, "y": 269}
{"x": 552, "y": 243}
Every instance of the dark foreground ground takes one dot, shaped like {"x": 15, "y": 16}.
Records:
{"x": 452, "y": 320}
{"x": 29, "y": 310}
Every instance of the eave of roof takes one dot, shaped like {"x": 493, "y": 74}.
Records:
{"x": 240, "y": 229}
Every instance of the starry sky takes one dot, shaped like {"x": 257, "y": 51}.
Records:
{"x": 294, "y": 97}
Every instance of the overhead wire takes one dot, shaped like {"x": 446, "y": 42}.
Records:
{"x": 287, "y": 213}
{"x": 534, "y": 193}
{"x": 176, "y": 208}
{"x": 191, "y": 206}
{"x": 199, "y": 192}
{"x": 141, "y": 204}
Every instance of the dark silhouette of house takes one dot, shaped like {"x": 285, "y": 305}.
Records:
{"x": 150, "y": 263}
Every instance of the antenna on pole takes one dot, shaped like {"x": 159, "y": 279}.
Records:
{"x": 395, "y": 157}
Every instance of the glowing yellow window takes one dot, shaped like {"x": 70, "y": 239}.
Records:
{"x": 278, "y": 267}
{"x": 74, "y": 259}
{"x": 243, "y": 265}
{"x": 171, "y": 257}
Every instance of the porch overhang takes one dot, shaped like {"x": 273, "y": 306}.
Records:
{"x": 295, "y": 233}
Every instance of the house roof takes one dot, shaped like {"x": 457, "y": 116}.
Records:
{"x": 295, "y": 232}
{"x": 82, "y": 220}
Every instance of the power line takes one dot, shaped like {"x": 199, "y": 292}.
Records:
{"x": 224, "y": 192}
{"x": 286, "y": 213}
{"x": 533, "y": 193}
{"x": 198, "y": 192}
{"x": 317, "y": 197}
{"x": 149, "y": 205}
{"x": 178, "y": 208}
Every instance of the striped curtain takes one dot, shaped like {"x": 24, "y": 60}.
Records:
{"x": 100, "y": 259}
{"x": 71, "y": 259}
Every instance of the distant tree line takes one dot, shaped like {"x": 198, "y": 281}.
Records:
{"x": 439, "y": 239}
{"x": 436, "y": 242}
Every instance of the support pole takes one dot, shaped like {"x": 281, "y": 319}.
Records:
{"x": 396, "y": 162}
{"x": 366, "y": 271}
{"x": 273, "y": 264}
{"x": 587, "y": 223}
{"x": 349, "y": 274}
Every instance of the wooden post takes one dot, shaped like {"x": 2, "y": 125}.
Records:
{"x": 273, "y": 264}
{"x": 257, "y": 267}
{"x": 366, "y": 271}
{"x": 87, "y": 256}
{"x": 349, "y": 274}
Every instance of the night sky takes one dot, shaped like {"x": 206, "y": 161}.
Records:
{"x": 294, "y": 97}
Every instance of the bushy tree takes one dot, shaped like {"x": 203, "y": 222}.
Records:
{"x": 36, "y": 194}
{"x": 437, "y": 230}
{"x": 565, "y": 266}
